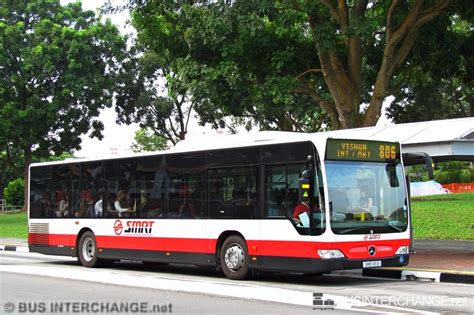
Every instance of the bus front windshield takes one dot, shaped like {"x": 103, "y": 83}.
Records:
{"x": 366, "y": 197}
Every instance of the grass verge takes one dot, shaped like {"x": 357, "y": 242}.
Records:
{"x": 14, "y": 225}
{"x": 443, "y": 217}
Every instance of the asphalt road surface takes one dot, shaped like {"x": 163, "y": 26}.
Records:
{"x": 33, "y": 284}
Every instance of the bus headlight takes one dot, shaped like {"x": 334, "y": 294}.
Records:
{"x": 330, "y": 253}
{"x": 402, "y": 250}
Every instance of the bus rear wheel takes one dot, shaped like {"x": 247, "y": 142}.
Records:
{"x": 234, "y": 258}
{"x": 87, "y": 251}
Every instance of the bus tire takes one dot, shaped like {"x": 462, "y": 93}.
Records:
{"x": 87, "y": 251}
{"x": 234, "y": 258}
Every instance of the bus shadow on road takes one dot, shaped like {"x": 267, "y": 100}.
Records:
{"x": 257, "y": 277}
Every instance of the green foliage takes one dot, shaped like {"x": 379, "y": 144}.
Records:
{"x": 438, "y": 80}
{"x": 11, "y": 159}
{"x": 14, "y": 225}
{"x": 68, "y": 60}
{"x": 454, "y": 172}
{"x": 14, "y": 192}
{"x": 146, "y": 141}
{"x": 443, "y": 217}
{"x": 58, "y": 66}
{"x": 287, "y": 65}
{"x": 235, "y": 60}
{"x": 417, "y": 173}
{"x": 61, "y": 157}
{"x": 140, "y": 99}
{"x": 444, "y": 172}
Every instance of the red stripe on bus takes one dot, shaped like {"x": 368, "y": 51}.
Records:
{"x": 352, "y": 250}
{"x": 51, "y": 239}
{"x": 191, "y": 245}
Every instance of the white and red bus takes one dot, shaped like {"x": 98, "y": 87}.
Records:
{"x": 230, "y": 204}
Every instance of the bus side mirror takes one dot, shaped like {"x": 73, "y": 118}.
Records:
{"x": 419, "y": 158}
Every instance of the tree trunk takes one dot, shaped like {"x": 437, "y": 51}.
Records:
{"x": 28, "y": 158}
{"x": 344, "y": 79}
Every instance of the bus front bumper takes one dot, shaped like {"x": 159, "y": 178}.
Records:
{"x": 313, "y": 265}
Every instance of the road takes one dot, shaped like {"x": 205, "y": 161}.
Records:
{"x": 35, "y": 278}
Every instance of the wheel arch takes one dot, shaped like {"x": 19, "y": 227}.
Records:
{"x": 220, "y": 240}
{"x": 78, "y": 239}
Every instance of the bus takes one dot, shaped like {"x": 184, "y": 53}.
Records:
{"x": 274, "y": 201}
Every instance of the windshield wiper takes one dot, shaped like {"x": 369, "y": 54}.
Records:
{"x": 352, "y": 229}
{"x": 394, "y": 227}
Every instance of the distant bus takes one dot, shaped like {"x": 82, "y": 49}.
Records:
{"x": 283, "y": 202}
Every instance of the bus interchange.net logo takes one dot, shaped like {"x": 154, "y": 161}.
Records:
{"x": 82, "y": 307}
{"x": 320, "y": 304}
{"x": 133, "y": 227}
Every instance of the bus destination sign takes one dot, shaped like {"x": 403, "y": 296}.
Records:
{"x": 361, "y": 150}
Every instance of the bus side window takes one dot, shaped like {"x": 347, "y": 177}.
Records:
{"x": 232, "y": 192}
{"x": 282, "y": 189}
{"x": 41, "y": 195}
{"x": 276, "y": 191}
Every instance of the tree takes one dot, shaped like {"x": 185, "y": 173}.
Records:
{"x": 57, "y": 70}
{"x": 439, "y": 74}
{"x": 10, "y": 164}
{"x": 282, "y": 60}
{"x": 14, "y": 192}
{"x": 146, "y": 141}
{"x": 146, "y": 98}
{"x": 454, "y": 172}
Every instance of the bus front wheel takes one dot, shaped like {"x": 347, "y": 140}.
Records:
{"x": 87, "y": 251}
{"x": 234, "y": 258}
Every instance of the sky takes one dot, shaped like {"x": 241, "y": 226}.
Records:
{"x": 118, "y": 138}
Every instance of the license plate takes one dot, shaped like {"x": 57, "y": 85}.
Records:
{"x": 371, "y": 264}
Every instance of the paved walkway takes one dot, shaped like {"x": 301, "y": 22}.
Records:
{"x": 13, "y": 242}
{"x": 456, "y": 256}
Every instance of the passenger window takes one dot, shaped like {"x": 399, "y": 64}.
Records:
{"x": 186, "y": 198}
{"x": 66, "y": 190}
{"x": 41, "y": 196}
{"x": 233, "y": 193}
{"x": 186, "y": 186}
{"x": 92, "y": 190}
{"x": 151, "y": 174}
{"x": 282, "y": 189}
{"x": 121, "y": 194}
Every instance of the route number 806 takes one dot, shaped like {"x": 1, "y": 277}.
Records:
{"x": 387, "y": 152}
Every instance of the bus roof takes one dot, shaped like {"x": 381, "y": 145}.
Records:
{"x": 215, "y": 142}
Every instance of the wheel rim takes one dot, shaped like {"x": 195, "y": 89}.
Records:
{"x": 88, "y": 249}
{"x": 234, "y": 257}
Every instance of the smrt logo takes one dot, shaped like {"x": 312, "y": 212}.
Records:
{"x": 118, "y": 227}
{"x": 133, "y": 227}
{"x": 372, "y": 237}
